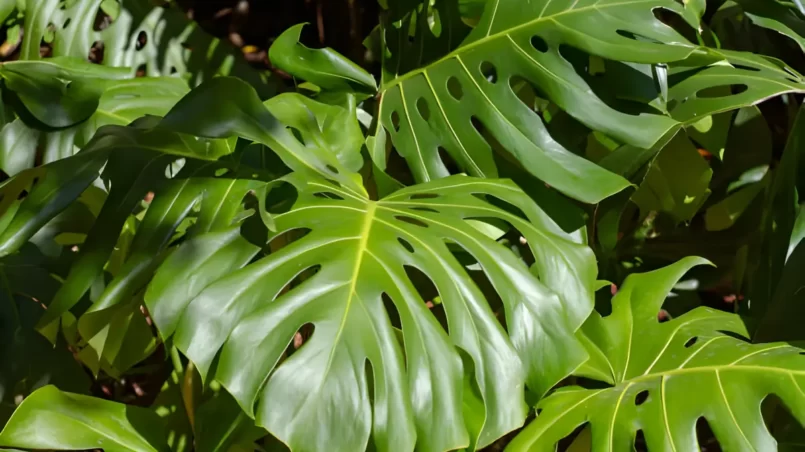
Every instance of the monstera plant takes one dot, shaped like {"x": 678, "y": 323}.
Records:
{"x": 412, "y": 259}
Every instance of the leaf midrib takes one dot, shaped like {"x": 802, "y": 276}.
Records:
{"x": 489, "y": 37}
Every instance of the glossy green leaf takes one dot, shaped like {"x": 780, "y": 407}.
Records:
{"x": 59, "y": 92}
{"x": 668, "y": 375}
{"x": 434, "y": 107}
{"x": 66, "y": 92}
{"x": 362, "y": 249}
{"x": 51, "y": 419}
{"x": 158, "y": 39}
{"x": 677, "y": 182}
{"x": 325, "y": 68}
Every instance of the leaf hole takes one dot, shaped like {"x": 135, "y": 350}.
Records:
{"x": 718, "y": 91}
{"x": 422, "y": 108}
{"x": 476, "y": 272}
{"x": 489, "y": 72}
{"x": 502, "y": 204}
{"x": 397, "y": 168}
{"x": 173, "y": 168}
{"x": 636, "y": 37}
{"x": 425, "y": 209}
{"x": 297, "y": 134}
{"x": 142, "y": 40}
{"x": 391, "y": 311}
{"x": 691, "y": 342}
{"x": 332, "y": 169}
{"x": 67, "y": 22}
{"x": 408, "y": 247}
{"x": 641, "y": 397}
{"x": 410, "y": 220}
{"x": 477, "y": 125}
{"x": 746, "y": 68}
{"x": 539, "y": 44}
{"x": 395, "y": 121}
{"x": 96, "y": 52}
{"x": 280, "y": 241}
{"x": 454, "y": 88}
{"x": 427, "y": 291}
{"x": 102, "y": 20}
{"x": 300, "y": 338}
{"x": 640, "y": 440}
{"x": 705, "y": 436}
{"x": 447, "y": 160}
{"x": 423, "y": 196}
{"x": 328, "y": 195}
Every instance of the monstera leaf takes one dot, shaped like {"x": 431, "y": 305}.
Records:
{"x": 665, "y": 376}
{"x": 443, "y": 104}
{"x": 71, "y": 99}
{"x": 358, "y": 265}
{"x": 207, "y": 190}
{"x": 51, "y": 419}
{"x": 70, "y": 94}
{"x": 136, "y": 34}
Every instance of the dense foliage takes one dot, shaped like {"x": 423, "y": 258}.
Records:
{"x": 515, "y": 224}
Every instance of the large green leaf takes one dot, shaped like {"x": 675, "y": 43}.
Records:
{"x": 141, "y": 35}
{"x": 69, "y": 91}
{"x": 434, "y": 107}
{"x": 665, "y": 376}
{"x": 236, "y": 324}
{"x": 51, "y": 419}
{"x": 207, "y": 191}
{"x": 77, "y": 97}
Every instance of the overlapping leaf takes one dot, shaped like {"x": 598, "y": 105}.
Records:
{"x": 359, "y": 250}
{"x": 77, "y": 98}
{"x": 438, "y": 106}
{"x": 51, "y": 419}
{"x": 138, "y": 160}
{"x": 666, "y": 376}
{"x": 69, "y": 91}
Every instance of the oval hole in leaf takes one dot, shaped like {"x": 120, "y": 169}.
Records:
{"x": 425, "y": 209}
{"x": 391, "y": 310}
{"x": 142, "y": 40}
{"x": 423, "y": 196}
{"x": 67, "y": 22}
{"x": 297, "y": 134}
{"x": 406, "y": 245}
{"x": 539, "y": 44}
{"x": 489, "y": 72}
{"x": 718, "y": 91}
{"x": 705, "y": 436}
{"x": 410, "y": 220}
{"x": 691, "y": 341}
{"x": 422, "y": 108}
{"x": 332, "y": 169}
{"x": 641, "y": 397}
{"x": 428, "y": 292}
{"x": 395, "y": 121}
{"x": 454, "y": 88}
